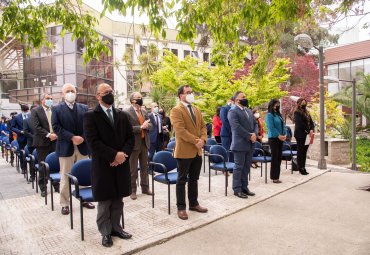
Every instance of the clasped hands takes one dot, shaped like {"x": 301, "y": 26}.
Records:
{"x": 282, "y": 137}
{"x": 145, "y": 124}
{"x": 200, "y": 143}
{"x": 253, "y": 138}
{"x": 120, "y": 158}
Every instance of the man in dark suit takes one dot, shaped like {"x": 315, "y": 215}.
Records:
{"x": 141, "y": 125}
{"x": 28, "y": 131}
{"x": 156, "y": 133}
{"x": 44, "y": 138}
{"x": 191, "y": 135}
{"x": 17, "y": 126}
{"x": 225, "y": 129}
{"x": 11, "y": 137}
{"x": 244, "y": 129}
{"x": 111, "y": 140}
{"x": 67, "y": 121}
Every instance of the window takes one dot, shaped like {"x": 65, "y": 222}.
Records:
{"x": 142, "y": 49}
{"x": 367, "y": 66}
{"x": 186, "y": 53}
{"x": 357, "y": 69}
{"x": 69, "y": 45}
{"x": 164, "y": 49}
{"x": 345, "y": 71}
{"x": 132, "y": 77}
{"x": 129, "y": 54}
{"x": 194, "y": 54}
{"x": 70, "y": 63}
{"x": 206, "y": 57}
{"x": 175, "y": 52}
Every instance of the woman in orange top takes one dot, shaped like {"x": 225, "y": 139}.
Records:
{"x": 217, "y": 124}
{"x": 261, "y": 131}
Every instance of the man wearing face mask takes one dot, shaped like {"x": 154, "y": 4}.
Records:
{"x": 111, "y": 140}
{"x": 244, "y": 129}
{"x": 44, "y": 138}
{"x": 156, "y": 133}
{"x": 191, "y": 135}
{"x": 67, "y": 121}
{"x": 17, "y": 126}
{"x": 141, "y": 126}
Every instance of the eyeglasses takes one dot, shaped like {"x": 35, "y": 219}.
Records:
{"x": 188, "y": 93}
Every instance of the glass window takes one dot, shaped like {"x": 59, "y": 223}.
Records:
{"x": 357, "y": 69}
{"x": 130, "y": 52}
{"x": 57, "y": 45}
{"x": 132, "y": 77}
{"x": 345, "y": 71}
{"x": 80, "y": 46}
{"x": 175, "y": 52}
{"x": 194, "y": 54}
{"x": 186, "y": 53}
{"x": 69, "y": 45}
{"x": 164, "y": 49}
{"x": 206, "y": 57}
{"x": 70, "y": 78}
{"x": 57, "y": 63}
{"x": 69, "y": 63}
{"x": 46, "y": 67}
{"x": 367, "y": 66}
{"x": 142, "y": 49}
{"x": 333, "y": 87}
{"x": 81, "y": 67}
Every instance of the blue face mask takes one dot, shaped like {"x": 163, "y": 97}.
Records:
{"x": 232, "y": 106}
{"x": 155, "y": 109}
{"x": 49, "y": 102}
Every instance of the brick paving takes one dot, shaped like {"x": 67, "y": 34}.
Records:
{"x": 28, "y": 226}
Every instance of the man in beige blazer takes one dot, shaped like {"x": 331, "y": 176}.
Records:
{"x": 191, "y": 134}
{"x": 141, "y": 126}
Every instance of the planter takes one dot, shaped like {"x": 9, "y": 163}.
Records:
{"x": 337, "y": 151}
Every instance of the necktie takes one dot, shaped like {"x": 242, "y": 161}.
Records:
{"x": 141, "y": 120}
{"x": 192, "y": 114}
{"x": 158, "y": 124}
{"x": 109, "y": 111}
{"x": 49, "y": 120}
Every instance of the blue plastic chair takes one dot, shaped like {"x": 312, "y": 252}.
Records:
{"x": 80, "y": 175}
{"x": 218, "y": 161}
{"x": 172, "y": 139}
{"x": 51, "y": 170}
{"x": 23, "y": 163}
{"x": 171, "y": 146}
{"x": 206, "y": 147}
{"x": 163, "y": 163}
{"x": 259, "y": 155}
{"x": 288, "y": 154}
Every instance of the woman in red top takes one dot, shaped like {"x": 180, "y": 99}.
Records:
{"x": 217, "y": 124}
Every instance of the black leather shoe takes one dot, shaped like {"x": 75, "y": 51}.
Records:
{"x": 303, "y": 172}
{"x": 121, "y": 234}
{"x": 240, "y": 195}
{"x": 56, "y": 188}
{"x": 43, "y": 193}
{"x": 107, "y": 241}
{"x": 248, "y": 192}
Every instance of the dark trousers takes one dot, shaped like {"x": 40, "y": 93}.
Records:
{"x": 11, "y": 139}
{"x": 301, "y": 152}
{"x": 218, "y": 139}
{"x": 243, "y": 161}
{"x": 156, "y": 146}
{"x": 24, "y": 164}
{"x": 276, "y": 147}
{"x": 226, "y": 143}
{"x": 42, "y": 152}
{"x": 109, "y": 216}
{"x": 22, "y": 144}
{"x": 188, "y": 170}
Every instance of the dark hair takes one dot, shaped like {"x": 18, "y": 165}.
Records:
{"x": 236, "y": 94}
{"x": 180, "y": 90}
{"x": 255, "y": 109}
{"x": 163, "y": 112}
{"x": 271, "y": 106}
{"x": 218, "y": 110}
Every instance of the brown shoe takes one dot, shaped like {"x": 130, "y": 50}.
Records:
{"x": 65, "y": 210}
{"x": 148, "y": 192}
{"x": 198, "y": 208}
{"x": 133, "y": 196}
{"x": 88, "y": 205}
{"x": 182, "y": 214}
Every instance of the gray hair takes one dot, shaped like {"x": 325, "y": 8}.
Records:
{"x": 68, "y": 84}
{"x": 133, "y": 95}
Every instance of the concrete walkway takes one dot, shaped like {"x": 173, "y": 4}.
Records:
{"x": 328, "y": 215}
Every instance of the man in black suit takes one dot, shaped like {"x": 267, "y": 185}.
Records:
{"x": 156, "y": 133}
{"x": 44, "y": 138}
{"x": 28, "y": 132}
{"x": 67, "y": 120}
{"x": 111, "y": 141}
{"x": 17, "y": 126}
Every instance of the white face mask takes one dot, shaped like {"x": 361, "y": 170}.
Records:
{"x": 70, "y": 97}
{"x": 155, "y": 110}
{"x": 257, "y": 115}
{"x": 190, "y": 98}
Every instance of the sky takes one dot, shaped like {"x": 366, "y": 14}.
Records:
{"x": 363, "y": 34}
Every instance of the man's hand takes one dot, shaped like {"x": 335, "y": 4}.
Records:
{"x": 199, "y": 144}
{"x": 114, "y": 163}
{"x": 77, "y": 140}
{"x": 53, "y": 137}
{"x": 253, "y": 138}
{"x": 120, "y": 157}
{"x": 282, "y": 137}
{"x": 145, "y": 124}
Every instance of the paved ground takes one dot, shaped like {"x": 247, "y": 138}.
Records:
{"x": 27, "y": 226}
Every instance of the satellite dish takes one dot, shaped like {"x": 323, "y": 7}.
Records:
{"x": 304, "y": 41}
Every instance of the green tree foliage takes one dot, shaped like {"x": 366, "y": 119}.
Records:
{"x": 27, "y": 22}
{"x": 214, "y": 86}
{"x": 344, "y": 96}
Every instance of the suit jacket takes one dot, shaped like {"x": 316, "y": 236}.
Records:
{"x": 28, "y": 131}
{"x": 63, "y": 121}
{"x": 104, "y": 141}
{"x": 17, "y": 127}
{"x": 153, "y": 133}
{"x": 225, "y": 128}
{"x": 41, "y": 127}
{"x": 242, "y": 126}
{"x": 302, "y": 125}
{"x": 134, "y": 120}
{"x": 187, "y": 132}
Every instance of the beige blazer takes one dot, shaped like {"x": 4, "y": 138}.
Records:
{"x": 187, "y": 132}
{"x": 134, "y": 120}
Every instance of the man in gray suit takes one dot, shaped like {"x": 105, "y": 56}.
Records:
{"x": 141, "y": 126}
{"x": 244, "y": 129}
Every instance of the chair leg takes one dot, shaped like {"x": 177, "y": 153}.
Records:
{"x": 169, "y": 201}
{"x": 51, "y": 196}
{"x": 261, "y": 167}
{"x": 286, "y": 164}
{"x": 70, "y": 204}
{"x": 46, "y": 191}
{"x": 204, "y": 162}
{"x": 123, "y": 218}
{"x": 209, "y": 179}
{"x": 226, "y": 174}
{"x": 36, "y": 181}
{"x": 265, "y": 172}
{"x": 82, "y": 220}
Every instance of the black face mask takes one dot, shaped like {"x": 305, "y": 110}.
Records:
{"x": 303, "y": 106}
{"x": 108, "y": 99}
{"x": 244, "y": 102}
{"x": 277, "y": 108}
{"x": 139, "y": 101}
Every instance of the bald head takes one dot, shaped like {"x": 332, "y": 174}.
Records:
{"x": 102, "y": 87}
{"x": 104, "y": 94}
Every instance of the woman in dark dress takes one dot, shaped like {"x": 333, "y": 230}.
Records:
{"x": 304, "y": 129}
